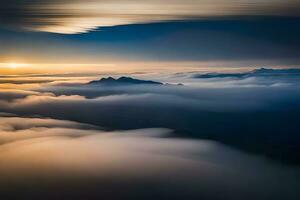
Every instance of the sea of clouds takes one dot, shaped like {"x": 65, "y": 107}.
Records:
{"x": 67, "y": 138}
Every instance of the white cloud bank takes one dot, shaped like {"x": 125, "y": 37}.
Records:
{"x": 53, "y": 157}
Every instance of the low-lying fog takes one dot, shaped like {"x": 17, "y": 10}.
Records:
{"x": 64, "y": 159}
{"x": 214, "y": 136}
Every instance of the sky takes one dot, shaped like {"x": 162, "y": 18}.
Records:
{"x": 123, "y": 35}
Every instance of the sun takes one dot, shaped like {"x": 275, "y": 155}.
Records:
{"x": 15, "y": 65}
{"x": 12, "y": 65}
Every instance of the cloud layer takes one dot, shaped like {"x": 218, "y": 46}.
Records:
{"x": 258, "y": 114}
{"x": 50, "y": 158}
{"x": 71, "y": 140}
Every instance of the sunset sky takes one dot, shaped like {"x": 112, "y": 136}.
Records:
{"x": 131, "y": 35}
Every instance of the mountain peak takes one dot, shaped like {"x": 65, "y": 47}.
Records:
{"x": 124, "y": 80}
{"x": 263, "y": 70}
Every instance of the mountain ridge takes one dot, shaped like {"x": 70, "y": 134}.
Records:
{"x": 124, "y": 80}
{"x": 256, "y": 72}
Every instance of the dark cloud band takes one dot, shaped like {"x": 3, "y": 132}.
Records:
{"x": 62, "y": 16}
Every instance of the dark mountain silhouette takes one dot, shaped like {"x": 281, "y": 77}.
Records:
{"x": 262, "y": 72}
{"x": 122, "y": 81}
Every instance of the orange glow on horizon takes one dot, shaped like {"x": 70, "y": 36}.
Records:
{"x": 119, "y": 67}
{"x": 13, "y": 68}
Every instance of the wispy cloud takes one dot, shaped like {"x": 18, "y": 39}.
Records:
{"x": 63, "y": 16}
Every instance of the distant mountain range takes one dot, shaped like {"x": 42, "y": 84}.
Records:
{"x": 110, "y": 81}
{"x": 262, "y": 72}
